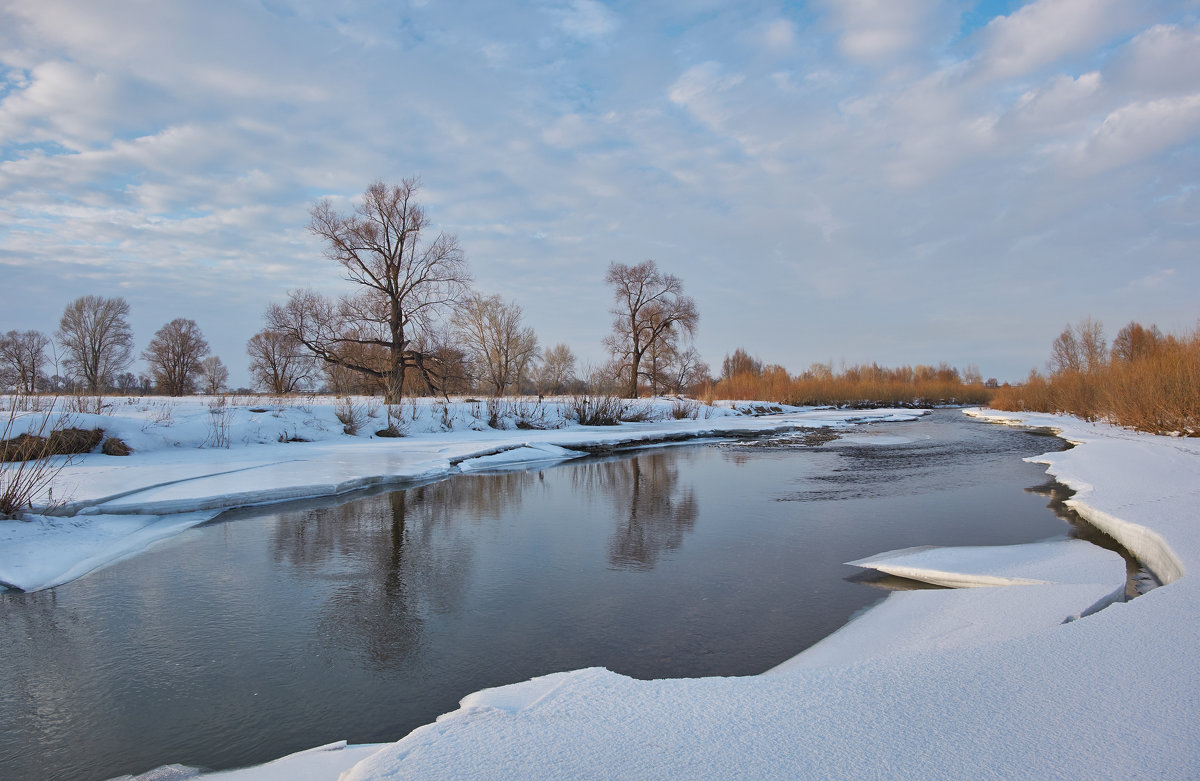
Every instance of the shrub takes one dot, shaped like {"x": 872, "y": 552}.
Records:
{"x": 28, "y": 463}
{"x": 115, "y": 447}
{"x": 595, "y": 410}
{"x": 685, "y": 409}
{"x": 350, "y": 415}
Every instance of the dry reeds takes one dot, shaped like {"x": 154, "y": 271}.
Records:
{"x": 856, "y": 386}
{"x": 30, "y": 461}
{"x": 1155, "y": 388}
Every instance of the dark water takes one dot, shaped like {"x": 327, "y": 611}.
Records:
{"x": 262, "y": 634}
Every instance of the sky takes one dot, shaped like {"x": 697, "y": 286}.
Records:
{"x": 899, "y": 181}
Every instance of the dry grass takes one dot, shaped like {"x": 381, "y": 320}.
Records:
{"x": 1157, "y": 391}
{"x": 856, "y": 386}
{"x": 28, "y": 463}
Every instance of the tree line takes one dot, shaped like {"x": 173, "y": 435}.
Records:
{"x": 411, "y": 325}
{"x": 93, "y": 349}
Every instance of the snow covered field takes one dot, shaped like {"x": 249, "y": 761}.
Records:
{"x": 194, "y": 457}
{"x": 1035, "y": 672}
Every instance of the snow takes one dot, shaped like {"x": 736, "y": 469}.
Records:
{"x": 1062, "y": 561}
{"x": 197, "y": 456}
{"x": 1041, "y": 675}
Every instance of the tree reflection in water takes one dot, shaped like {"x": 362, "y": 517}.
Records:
{"x": 400, "y": 557}
{"x": 652, "y": 511}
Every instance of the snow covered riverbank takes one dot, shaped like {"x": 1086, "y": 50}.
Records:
{"x": 1022, "y": 680}
{"x": 193, "y": 458}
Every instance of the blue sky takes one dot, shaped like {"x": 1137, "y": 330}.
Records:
{"x": 901, "y": 181}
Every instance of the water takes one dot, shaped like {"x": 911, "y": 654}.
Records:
{"x": 266, "y": 633}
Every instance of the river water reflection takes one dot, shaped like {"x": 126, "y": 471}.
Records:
{"x": 266, "y": 633}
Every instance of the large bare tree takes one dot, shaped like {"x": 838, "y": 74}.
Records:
{"x": 650, "y": 308}
{"x": 23, "y": 358}
{"x": 175, "y": 355}
{"x": 405, "y": 282}
{"x": 278, "y": 363}
{"x": 498, "y": 347}
{"x": 96, "y": 339}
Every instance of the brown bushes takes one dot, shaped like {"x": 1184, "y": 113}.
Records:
{"x": 856, "y": 386}
{"x": 1152, "y": 386}
{"x": 60, "y": 442}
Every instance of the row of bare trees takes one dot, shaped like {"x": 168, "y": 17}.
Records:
{"x": 412, "y": 323}
{"x": 93, "y": 349}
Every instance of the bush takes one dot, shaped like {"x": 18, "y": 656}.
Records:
{"x": 595, "y": 410}
{"x": 350, "y": 415}
{"x": 115, "y": 447}
{"x": 60, "y": 442}
{"x": 28, "y": 462}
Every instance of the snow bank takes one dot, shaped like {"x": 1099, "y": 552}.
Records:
{"x": 980, "y": 682}
{"x": 45, "y": 552}
{"x": 1061, "y": 561}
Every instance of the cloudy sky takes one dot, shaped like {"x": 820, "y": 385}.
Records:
{"x": 901, "y": 181}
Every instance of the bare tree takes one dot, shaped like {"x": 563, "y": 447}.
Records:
{"x": 405, "y": 284}
{"x": 96, "y": 338}
{"x": 557, "y": 369}
{"x": 650, "y": 307}
{"x": 277, "y": 362}
{"x": 174, "y": 356}
{"x": 1134, "y": 342}
{"x": 740, "y": 362}
{"x": 127, "y": 382}
{"x": 498, "y": 347}
{"x": 215, "y": 375}
{"x": 1079, "y": 348}
{"x": 685, "y": 370}
{"x": 23, "y": 358}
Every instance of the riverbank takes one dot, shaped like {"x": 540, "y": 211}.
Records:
{"x": 1022, "y": 692}
{"x": 196, "y": 457}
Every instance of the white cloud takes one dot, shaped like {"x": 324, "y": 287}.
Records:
{"x": 698, "y": 89}
{"x": 1061, "y": 103}
{"x": 1140, "y": 130}
{"x": 1162, "y": 60}
{"x": 1044, "y": 31}
{"x": 61, "y": 103}
{"x": 874, "y": 30}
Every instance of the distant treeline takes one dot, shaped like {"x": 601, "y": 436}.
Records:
{"x": 1147, "y": 380}
{"x": 745, "y": 377}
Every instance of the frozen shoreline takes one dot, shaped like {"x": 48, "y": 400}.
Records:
{"x": 175, "y": 480}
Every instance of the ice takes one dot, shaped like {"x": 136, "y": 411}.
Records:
{"x": 520, "y": 457}
{"x": 45, "y": 551}
{"x": 1058, "y": 561}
